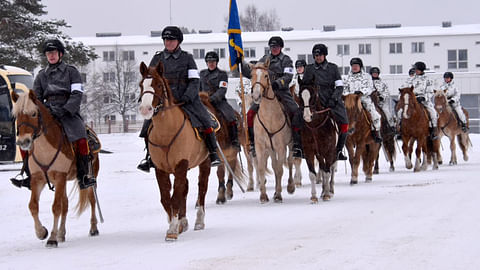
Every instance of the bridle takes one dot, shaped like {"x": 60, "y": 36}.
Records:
{"x": 314, "y": 111}
{"x": 264, "y": 87}
{"x": 161, "y": 99}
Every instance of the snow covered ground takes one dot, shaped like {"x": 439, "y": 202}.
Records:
{"x": 402, "y": 220}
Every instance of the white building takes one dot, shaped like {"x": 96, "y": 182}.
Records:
{"x": 392, "y": 48}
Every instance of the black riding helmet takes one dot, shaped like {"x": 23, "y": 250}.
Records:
{"x": 275, "y": 41}
{"x": 211, "y": 56}
{"x": 356, "y": 60}
{"x": 411, "y": 71}
{"x": 300, "y": 63}
{"x": 448, "y": 74}
{"x": 320, "y": 49}
{"x": 374, "y": 70}
{"x": 52, "y": 45}
{"x": 172, "y": 33}
{"x": 420, "y": 66}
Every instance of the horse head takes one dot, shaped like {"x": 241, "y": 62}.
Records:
{"x": 155, "y": 93}
{"x": 260, "y": 81}
{"x": 353, "y": 106}
{"x": 26, "y": 110}
{"x": 309, "y": 101}
{"x": 407, "y": 102}
{"x": 440, "y": 100}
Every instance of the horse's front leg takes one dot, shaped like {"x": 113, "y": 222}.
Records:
{"x": 60, "y": 192}
{"x": 326, "y": 185}
{"x": 204, "y": 172}
{"x": 221, "y": 199}
{"x": 453, "y": 152}
{"x": 62, "y": 230}
{"x": 233, "y": 164}
{"x": 407, "y": 150}
{"x": 93, "y": 216}
{"x": 250, "y": 160}
{"x": 37, "y": 184}
{"x": 291, "y": 182}
{"x": 261, "y": 167}
{"x": 277, "y": 163}
{"x": 356, "y": 163}
{"x": 180, "y": 188}
{"x": 421, "y": 147}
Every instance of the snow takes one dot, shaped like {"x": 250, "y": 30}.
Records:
{"x": 402, "y": 220}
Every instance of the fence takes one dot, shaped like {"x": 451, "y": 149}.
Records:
{"x": 115, "y": 126}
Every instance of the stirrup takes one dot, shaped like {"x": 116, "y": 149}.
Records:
{"x": 145, "y": 165}
{"x": 340, "y": 156}
{"x": 214, "y": 160}
{"x": 236, "y": 145}
{"x": 87, "y": 182}
{"x": 23, "y": 182}
{"x": 252, "y": 150}
{"x": 464, "y": 128}
{"x": 297, "y": 152}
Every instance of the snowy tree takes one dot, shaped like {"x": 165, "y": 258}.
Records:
{"x": 253, "y": 20}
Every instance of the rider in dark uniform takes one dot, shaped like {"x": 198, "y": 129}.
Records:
{"x": 59, "y": 87}
{"x": 184, "y": 80}
{"x": 281, "y": 72}
{"x": 215, "y": 81}
{"x": 326, "y": 77}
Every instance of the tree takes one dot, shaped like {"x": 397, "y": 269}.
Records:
{"x": 22, "y": 34}
{"x": 252, "y": 20}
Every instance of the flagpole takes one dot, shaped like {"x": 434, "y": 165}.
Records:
{"x": 242, "y": 97}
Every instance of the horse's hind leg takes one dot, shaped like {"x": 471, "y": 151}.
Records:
{"x": 221, "y": 185}
{"x": 453, "y": 152}
{"x": 375, "y": 167}
{"x": 250, "y": 161}
{"x": 233, "y": 164}
{"x": 464, "y": 142}
{"x": 62, "y": 231}
{"x": 93, "y": 217}
{"x": 60, "y": 192}
{"x": 204, "y": 172}
{"x": 291, "y": 182}
{"x": 37, "y": 187}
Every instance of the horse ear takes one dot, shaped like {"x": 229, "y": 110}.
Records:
{"x": 445, "y": 91}
{"x": 14, "y": 96}
{"x": 143, "y": 69}
{"x": 267, "y": 62}
{"x": 435, "y": 91}
{"x": 31, "y": 95}
{"x": 160, "y": 68}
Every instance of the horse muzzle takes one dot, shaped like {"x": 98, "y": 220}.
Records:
{"x": 307, "y": 115}
{"x": 146, "y": 111}
{"x": 25, "y": 143}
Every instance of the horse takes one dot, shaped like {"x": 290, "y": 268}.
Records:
{"x": 319, "y": 140}
{"x": 448, "y": 125}
{"x": 168, "y": 134}
{"x": 51, "y": 161}
{"x": 225, "y": 192}
{"x": 360, "y": 144}
{"x": 414, "y": 127}
{"x": 272, "y": 133}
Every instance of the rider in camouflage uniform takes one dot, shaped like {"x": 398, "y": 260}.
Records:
{"x": 184, "y": 80}
{"x": 359, "y": 82}
{"x": 453, "y": 96}
{"x": 383, "y": 96}
{"x": 215, "y": 81}
{"x": 59, "y": 86}
{"x": 281, "y": 70}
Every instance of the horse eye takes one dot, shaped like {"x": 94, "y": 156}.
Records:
{"x": 34, "y": 114}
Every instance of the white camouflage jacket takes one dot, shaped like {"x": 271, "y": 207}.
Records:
{"x": 452, "y": 91}
{"x": 360, "y": 81}
{"x": 422, "y": 86}
{"x": 381, "y": 88}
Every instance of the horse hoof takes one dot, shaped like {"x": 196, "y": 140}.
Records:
{"x": 94, "y": 232}
{"x": 375, "y": 172}
{"x": 171, "y": 237}
{"x": 249, "y": 188}
{"x": 326, "y": 198}
{"x": 263, "y": 198}
{"x": 353, "y": 182}
{"x": 61, "y": 239}
{"x": 52, "y": 244}
{"x": 313, "y": 200}
{"x": 368, "y": 179}
{"x": 392, "y": 169}
{"x": 221, "y": 201}
{"x": 440, "y": 162}
{"x": 229, "y": 196}
{"x": 44, "y": 235}
{"x": 298, "y": 185}
{"x": 278, "y": 200}
{"x": 183, "y": 226}
{"x": 291, "y": 189}
{"x": 199, "y": 227}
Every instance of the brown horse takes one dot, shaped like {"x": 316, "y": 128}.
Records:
{"x": 414, "y": 127}
{"x": 174, "y": 149}
{"x": 360, "y": 143}
{"x": 388, "y": 138}
{"x": 319, "y": 140}
{"x": 448, "y": 125}
{"x": 51, "y": 161}
{"x": 272, "y": 133}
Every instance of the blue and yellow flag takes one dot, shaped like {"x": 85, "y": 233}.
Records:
{"x": 234, "y": 36}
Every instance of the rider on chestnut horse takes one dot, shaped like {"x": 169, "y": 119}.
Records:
{"x": 453, "y": 97}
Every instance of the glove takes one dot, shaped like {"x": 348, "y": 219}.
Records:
{"x": 358, "y": 92}
{"x": 58, "y": 112}
{"x": 331, "y": 102}
{"x": 275, "y": 85}
{"x": 451, "y": 101}
{"x": 420, "y": 99}
{"x": 214, "y": 99}
{"x": 185, "y": 99}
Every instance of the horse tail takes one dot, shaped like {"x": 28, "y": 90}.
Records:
{"x": 464, "y": 141}
{"x": 240, "y": 173}
{"x": 83, "y": 200}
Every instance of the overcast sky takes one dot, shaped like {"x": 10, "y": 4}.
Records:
{"x": 139, "y": 17}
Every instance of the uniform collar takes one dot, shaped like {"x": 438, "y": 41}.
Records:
{"x": 175, "y": 54}
{"x": 323, "y": 65}
{"x": 279, "y": 56}
{"x": 60, "y": 66}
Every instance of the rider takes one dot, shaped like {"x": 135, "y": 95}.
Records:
{"x": 453, "y": 96}
{"x": 326, "y": 77}
{"x": 358, "y": 82}
{"x": 214, "y": 81}
{"x": 383, "y": 95}
{"x": 281, "y": 68}
{"x": 184, "y": 80}
{"x": 300, "y": 65}
{"x": 59, "y": 87}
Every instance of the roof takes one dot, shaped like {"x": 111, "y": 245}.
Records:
{"x": 354, "y": 33}
{"x": 11, "y": 70}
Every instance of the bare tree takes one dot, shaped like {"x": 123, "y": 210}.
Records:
{"x": 253, "y": 20}
{"x": 95, "y": 96}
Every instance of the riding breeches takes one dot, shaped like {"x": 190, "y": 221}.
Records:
{"x": 431, "y": 112}
{"x": 458, "y": 109}
{"x": 370, "y": 107}
{"x": 386, "y": 110}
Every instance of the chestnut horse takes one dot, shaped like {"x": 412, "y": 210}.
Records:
{"x": 272, "y": 133}
{"x": 448, "y": 125}
{"x": 360, "y": 143}
{"x": 414, "y": 127}
{"x": 174, "y": 149}
{"x": 51, "y": 161}
{"x": 319, "y": 140}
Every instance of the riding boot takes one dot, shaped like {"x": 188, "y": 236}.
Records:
{"x": 297, "y": 143}
{"x": 233, "y": 132}
{"x": 377, "y": 137}
{"x": 464, "y": 127}
{"x": 251, "y": 137}
{"x": 342, "y": 137}
{"x": 24, "y": 181}
{"x": 146, "y": 163}
{"x": 211, "y": 142}
{"x": 84, "y": 167}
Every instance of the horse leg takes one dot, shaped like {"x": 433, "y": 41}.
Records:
{"x": 310, "y": 159}
{"x": 291, "y": 182}
{"x": 221, "y": 185}
{"x": 453, "y": 152}
{"x": 165, "y": 186}
{"x": 278, "y": 165}
{"x": 407, "y": 150}
{"x": 356, "y": 164}
{"x": 182, "y": 211}
{"x": 177, "y": 200}
{"x": 250, "y": 186}
{"x": 93, "y": 216}
{"x": 36, "y": 188}
{"x": 326, "y": 195}
{"x": 297, "y": 162}
{"x": 204, "y": 172}
{"x": 261, "y": 167}
{"x": 418, "y": 158}
{"x": 375, "y": 167}
{"x": 233, "y": 164}
{"x": 62, "y": 230}
{"x": 60, "y": 191}
{"x": 463, "y": 142}
{"x": 332, "y": 177}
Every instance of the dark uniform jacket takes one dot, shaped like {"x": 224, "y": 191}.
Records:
{"x": 61, "y": 85}
{"x": 327, "y": 78}
{"x": 183, "y": 78}
{"x": 215, "y": 83}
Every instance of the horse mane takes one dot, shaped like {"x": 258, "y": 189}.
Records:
{"x": 353, "y": 102}
{"x": 24, "y": 105}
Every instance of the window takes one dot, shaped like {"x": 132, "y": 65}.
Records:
{"x": 249, "y": 52}
{"x": 457, "y": 59}
{"x": 129, "y": 76}
{"x": 84, "y": 77}
{"x": 113, "y": 118}
{"x": 396, "y": 69}
{"x": 106, "y": 99}
{"x": 418, "y": 47}
{"x": 436, "y": 44}
{"x": 307, "y": 57}
{"x": 109, "y": 77}
{"x": 145, "y": 53}
{"x": 128, "y": 55}
{"x": 267, "y": 50}
{"x": 310, "y": 59}
{"x": 367, "y": 69}
{"x": 395, "y": 47}
{"x": 198, "y": 53}
{"x": 301, "y": 57}
{"x": 343, "y": 49}
{"x": 344, "y": 70}
{"x": 108, "y": 56}
{"x": 365, "y": 48}
{"x": 436, "y": 66}
{"x": 220, "y": 52}
{"x": 133, "y": 119}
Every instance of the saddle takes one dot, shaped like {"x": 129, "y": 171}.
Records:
{"x": 216, "y": 126}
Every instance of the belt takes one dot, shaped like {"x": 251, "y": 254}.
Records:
{"x": 56, "y": 98}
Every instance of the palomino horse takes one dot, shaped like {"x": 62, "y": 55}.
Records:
{"x": 319, "y": 140}
{"x": 388, "y": 138}
{"x": 360, "y": 144}
{"x": 225, "y": 192}
{"x": 170, "y": 153}
{"x": 448, "y": 125}
{"x": 414, "y": 127}
{"x": 272, "y": 133}
{"x": 51, "y": 160}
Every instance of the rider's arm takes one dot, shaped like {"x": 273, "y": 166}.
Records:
{"x": 287, "y": 76}
{"x": 76, "y": 88}
{"x": 222, "y": 87}
{"x": 37, "y": 86}
{"x": 193, "y": 79}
